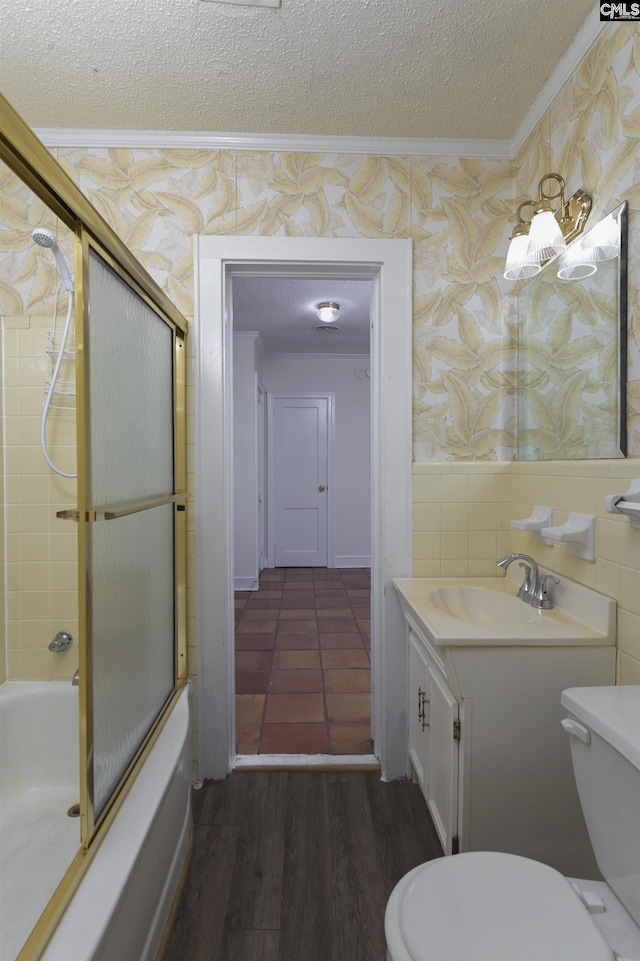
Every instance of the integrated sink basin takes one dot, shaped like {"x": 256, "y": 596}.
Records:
{"x": 487, "y": 610}
{"x": 482, "y": 605}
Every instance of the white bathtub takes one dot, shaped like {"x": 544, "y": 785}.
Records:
{"x": 38, "y": 783}
{"x": 121, "y": 907}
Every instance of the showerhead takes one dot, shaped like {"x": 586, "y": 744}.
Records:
{"x": 44, "y": 238}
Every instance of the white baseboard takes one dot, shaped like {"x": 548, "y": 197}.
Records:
{"x": 245, "y": 584}
{"x": 347, "y": 560}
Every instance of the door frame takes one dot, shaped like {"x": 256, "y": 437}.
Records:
{"x": 389, "y": 264}
{"x": 261, "y": 462}
{"x": 272, "y": 396}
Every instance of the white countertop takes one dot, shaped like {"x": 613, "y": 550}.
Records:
{"x": 485, "y": 614}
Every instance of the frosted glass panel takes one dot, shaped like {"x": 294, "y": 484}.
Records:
{"x": 132, "y": 629}
{"x": 130, "y": 352}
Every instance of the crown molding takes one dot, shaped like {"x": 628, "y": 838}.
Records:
{"x": 584, "y": 40}
{"x": 591, "y": 30}
{"x": 255, "y": 336}
{"x": 289, "y": 143}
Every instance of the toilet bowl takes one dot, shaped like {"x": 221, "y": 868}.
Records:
{"x": 494, "y": 906}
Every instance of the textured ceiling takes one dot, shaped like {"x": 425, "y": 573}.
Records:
{"x": 400, "y": 68}
{"x": 284, "y": 311}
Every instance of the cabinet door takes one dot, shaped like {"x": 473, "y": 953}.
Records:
{"x": 442, "y": 765}
{"x": 417, "y": 708}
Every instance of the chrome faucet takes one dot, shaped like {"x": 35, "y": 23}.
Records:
{"x": 543, "y": 600}
{"x": 530, "y": 588}
{"x": 75, "y": 680}
{"x": 534, "y": 589}
{"x": 61, "y": 642}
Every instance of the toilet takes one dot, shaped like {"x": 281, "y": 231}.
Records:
{"x": 491, "y": 906}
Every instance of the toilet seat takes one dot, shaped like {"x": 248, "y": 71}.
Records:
{"x": 489, "y": 906}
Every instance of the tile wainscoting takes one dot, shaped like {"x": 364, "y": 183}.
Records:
{"x": 461, "y": 521}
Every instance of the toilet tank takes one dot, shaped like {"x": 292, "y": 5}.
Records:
{"x": 605, "y": 750}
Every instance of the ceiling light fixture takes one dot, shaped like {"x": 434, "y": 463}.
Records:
{"x": 551, "y": 228}
{"x": 328, "y": 311}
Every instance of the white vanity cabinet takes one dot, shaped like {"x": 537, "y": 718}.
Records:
{"x": 485, "y": 740}
{"x": 434, "y": 734}
{"x": 418, "y": 730}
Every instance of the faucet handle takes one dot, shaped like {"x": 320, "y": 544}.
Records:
{"x": 543, "y": 600}
{"x": 527, "y": 589}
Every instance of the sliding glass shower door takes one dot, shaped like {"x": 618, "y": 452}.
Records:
{"x": 131, "y": 511}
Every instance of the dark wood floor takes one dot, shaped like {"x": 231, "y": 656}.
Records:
{"x": 297, "y": 866}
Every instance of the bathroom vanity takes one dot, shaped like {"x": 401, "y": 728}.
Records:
{"x": 486, "y": 672}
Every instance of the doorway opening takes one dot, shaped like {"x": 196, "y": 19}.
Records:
{"x": 302, "y": 517}
{"x": 387, "y": 265}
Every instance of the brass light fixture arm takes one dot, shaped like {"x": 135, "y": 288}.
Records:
{"x": 571, "y": 214}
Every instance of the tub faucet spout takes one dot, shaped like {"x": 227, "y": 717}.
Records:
{"x": 75, "y": 680}
{"x": 530, "y": 588}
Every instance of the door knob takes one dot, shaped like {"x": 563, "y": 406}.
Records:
{"x": 321, "y": 488}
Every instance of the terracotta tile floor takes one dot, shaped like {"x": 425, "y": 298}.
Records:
{"x": 303, "y": 664}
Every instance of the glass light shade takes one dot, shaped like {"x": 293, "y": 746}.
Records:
{"x": 517, "y": 267}
{"x": 328, "y": 314}
{"x": 576, "y": 263}
{"x": 602, "y": 242}
{"x": 545, "y": 237}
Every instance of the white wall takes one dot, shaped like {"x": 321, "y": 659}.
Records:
{"x": 345, "y": 376}
{"x": 247, "y": 355}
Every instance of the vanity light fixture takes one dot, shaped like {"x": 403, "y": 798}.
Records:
{"x": 554, "y": 222}
{"x": 328, "y": 311}
{"x": 517, "y": 267}
{"x": 576, "y": 263}
{"x": 603, "y": 241}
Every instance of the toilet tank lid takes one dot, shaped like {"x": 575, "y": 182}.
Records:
{"x": 612, "y": 712}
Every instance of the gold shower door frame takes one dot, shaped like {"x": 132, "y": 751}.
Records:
{"x": 21, "y": 151}
{"x": 86, "y": 515}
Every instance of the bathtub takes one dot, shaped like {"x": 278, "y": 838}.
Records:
{"x": 120, "y": 909}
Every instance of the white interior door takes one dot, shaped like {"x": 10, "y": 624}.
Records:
{"x": 299, "y": 453}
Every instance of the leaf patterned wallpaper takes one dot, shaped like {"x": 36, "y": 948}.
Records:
{"x": 458, "y": 213}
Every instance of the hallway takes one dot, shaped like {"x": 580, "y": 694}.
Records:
{"x": 303, "y": 663}
{"x": 297, "y": 866}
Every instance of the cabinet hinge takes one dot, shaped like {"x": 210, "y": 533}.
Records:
{"x": 456, "y": 730}
{"x": 455, "y": 844}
